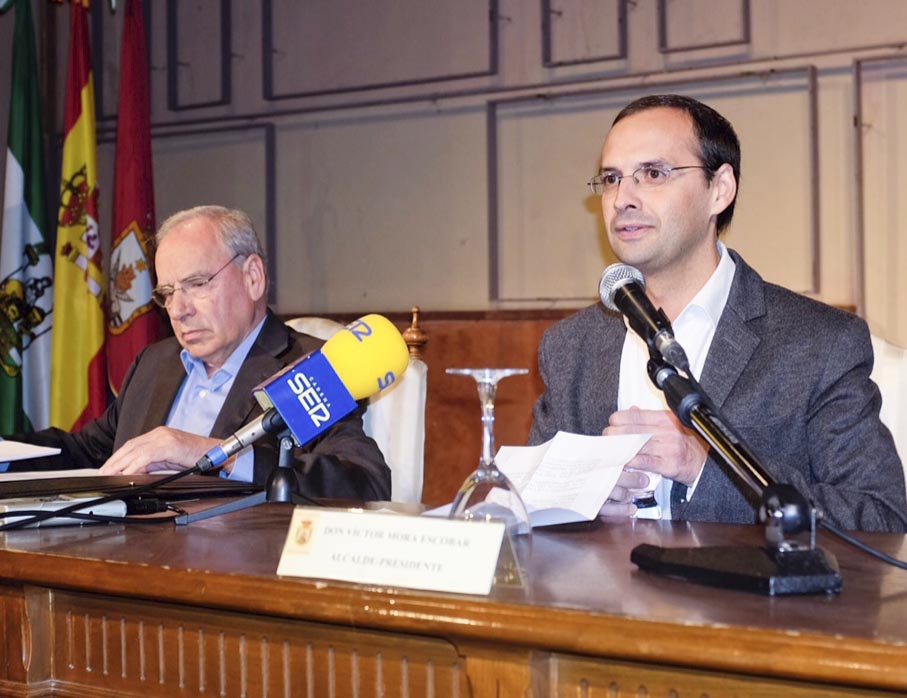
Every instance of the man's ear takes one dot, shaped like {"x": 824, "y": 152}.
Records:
{"x": 254, "y": 276}
{"x": 724, "y": 188}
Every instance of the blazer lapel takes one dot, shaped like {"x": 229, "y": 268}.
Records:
{"x": 734, "y": 342}
{"x": 732, "y": 348}
{"x": 608, "y": 346}
{"x": 161, "y": 398}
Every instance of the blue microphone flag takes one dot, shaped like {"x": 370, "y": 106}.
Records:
{"x": 309, "y": 395}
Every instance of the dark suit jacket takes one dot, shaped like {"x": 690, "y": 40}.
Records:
{"x": 343, "y": 462}
{"x": 790, "y": 376}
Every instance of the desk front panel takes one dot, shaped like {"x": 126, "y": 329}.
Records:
{"x": 145, "y": 610}
{"x": 83, "y": 645}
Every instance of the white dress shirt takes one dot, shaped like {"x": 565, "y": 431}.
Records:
{"x": 694, "y": 329}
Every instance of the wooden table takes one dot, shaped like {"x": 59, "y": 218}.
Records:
{"x": 144, "y": 610}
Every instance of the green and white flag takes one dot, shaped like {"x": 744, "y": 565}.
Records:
{"x": 26, "y": 264}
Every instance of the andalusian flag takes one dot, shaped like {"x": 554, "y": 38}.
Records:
{"x": 133, "y": 321}
{"x": 26, "y": 268}
{"x": 79, "y": 371}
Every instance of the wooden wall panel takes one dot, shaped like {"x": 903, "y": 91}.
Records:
{"x": 453, "y": 416}
{"x": 313, "y": 48}
{"x": 882, "y": 134}
{"x": 583, "y": 31}
{"x": 199, "y": 54}
{"x": 547, "y": 227}
{"x": 697, "y": 24}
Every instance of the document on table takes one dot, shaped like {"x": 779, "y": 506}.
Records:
{"x": 570, "y": 477}
{"x": 16, "y": 450}
{"x": 49, "y": 474}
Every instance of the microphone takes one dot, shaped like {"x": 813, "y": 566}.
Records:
{"x": 322, "y": 387}
{"x": 622, "y": 288}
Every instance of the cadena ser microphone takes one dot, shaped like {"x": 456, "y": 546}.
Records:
{"x": 622, "y": 288}
{"x": 321, "y": 388}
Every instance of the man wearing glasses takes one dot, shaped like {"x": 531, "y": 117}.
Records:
{"x": 789, "y": 374}
{"x": 184, "y": 395}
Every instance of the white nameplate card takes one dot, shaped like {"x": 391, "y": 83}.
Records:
{"x": 393, "y": 550}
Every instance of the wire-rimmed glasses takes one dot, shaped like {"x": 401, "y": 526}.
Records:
{"x": 194, "y": 287}
{"x": 648, "y": 176}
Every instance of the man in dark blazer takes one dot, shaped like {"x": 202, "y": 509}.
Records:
{"x": 169, "y": 414}
{"x": 790, "y": 375}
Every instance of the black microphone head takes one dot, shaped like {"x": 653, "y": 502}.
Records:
{"x": 613, "y": 278}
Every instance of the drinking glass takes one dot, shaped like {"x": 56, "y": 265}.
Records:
{"x": 487, "y": 493}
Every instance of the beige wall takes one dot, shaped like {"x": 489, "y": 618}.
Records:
{"x": 464, "y": 190}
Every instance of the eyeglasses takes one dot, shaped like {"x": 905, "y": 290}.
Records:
{"x": 195, "y": 287}
{"x": 647, "y": 176}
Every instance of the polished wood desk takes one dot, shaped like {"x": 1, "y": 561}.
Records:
{"x": 151, "y": 611}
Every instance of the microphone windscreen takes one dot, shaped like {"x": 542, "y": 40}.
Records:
{"x": 368, "y": 355}
{"x": 613, "y": 278}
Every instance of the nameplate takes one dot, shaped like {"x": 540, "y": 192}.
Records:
{"x": 415, "y": 552}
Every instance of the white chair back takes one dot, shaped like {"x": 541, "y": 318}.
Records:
{"x": 395, "y": 417}
{"x": 890, "y": 373}
{"x": 320, "y": 327}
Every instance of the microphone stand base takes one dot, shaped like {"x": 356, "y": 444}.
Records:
{"x": 761, "y": 570}
{"x": 281, "y": 487}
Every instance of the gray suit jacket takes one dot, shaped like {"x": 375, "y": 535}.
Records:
{"x": 343, "y": 462}
{"x": 791, "y": 377}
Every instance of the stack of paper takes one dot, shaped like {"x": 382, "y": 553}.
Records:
{"x": 53, "y": 503}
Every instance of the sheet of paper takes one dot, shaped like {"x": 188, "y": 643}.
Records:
{"x": 15, "y": 450}
{"x": 48, "y": 474}
{"x": 570, "y": 477}
{"x": 519, "y": 463}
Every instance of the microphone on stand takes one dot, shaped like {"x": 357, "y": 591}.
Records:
{"x": 785, "y": 565}
{"x": 790, "y": 562}
{"x": 321, "y": 388}
{"x": 306, "y": 398}
{"x": 623, "y": 289}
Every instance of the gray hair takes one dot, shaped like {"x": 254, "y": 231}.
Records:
{"x": 233, "y": 226}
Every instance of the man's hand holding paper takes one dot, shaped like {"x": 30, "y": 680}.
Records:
{"x": 570, "y": 477}
{"x": 673, "y": 451}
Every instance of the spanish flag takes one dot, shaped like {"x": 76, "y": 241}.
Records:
{"x": 133, "y": 320}
{"x": 78, "y": 360}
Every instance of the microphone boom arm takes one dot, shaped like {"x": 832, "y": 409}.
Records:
{"x": 695, "y": 411}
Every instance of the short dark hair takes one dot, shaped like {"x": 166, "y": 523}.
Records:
{"x": 718, "y": 142}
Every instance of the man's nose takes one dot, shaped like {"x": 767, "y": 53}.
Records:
{"x": 179, "y": 304}
{"x": 626, "y": 194}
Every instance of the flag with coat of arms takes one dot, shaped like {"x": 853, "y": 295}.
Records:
{"x": 78, "y": 370}
{"x": 132, "y": 320}
{"x": 26, "y": 263}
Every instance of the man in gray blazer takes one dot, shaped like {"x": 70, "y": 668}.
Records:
{"x": 185, "y": 394}
{"x": 790, "y": 375}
